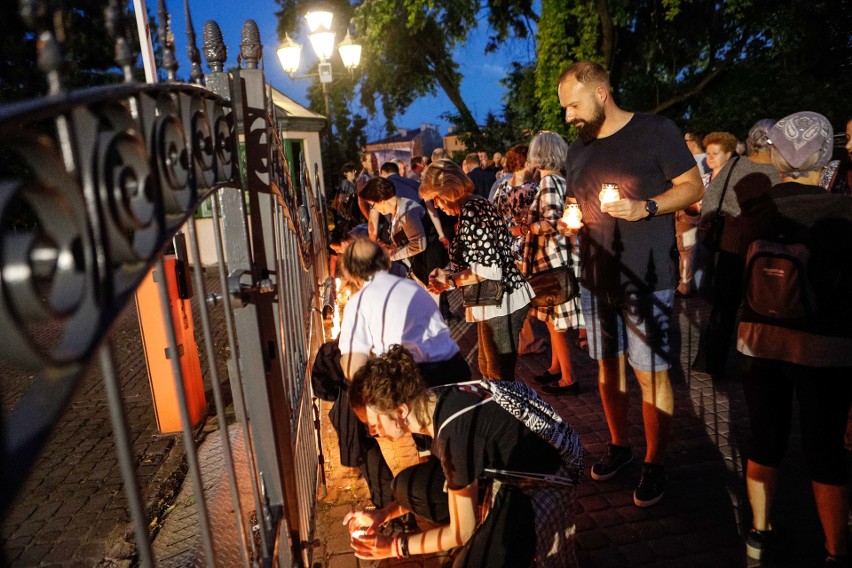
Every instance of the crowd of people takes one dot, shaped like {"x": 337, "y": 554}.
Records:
{"x": 626, "y": 219}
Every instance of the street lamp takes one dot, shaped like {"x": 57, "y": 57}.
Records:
{"x": 322, "y": 40}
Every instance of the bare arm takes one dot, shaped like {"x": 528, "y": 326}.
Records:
{"x": 463, "y": 519}
{"x": 351, "y": 362}
{"x": 686, "y": 189}
{"x": 433, "y": 215}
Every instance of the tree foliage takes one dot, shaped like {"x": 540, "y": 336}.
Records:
{"x": 707, "y": 64}
{"x": 87, "y": 49}
{"x": 408, "y": 45}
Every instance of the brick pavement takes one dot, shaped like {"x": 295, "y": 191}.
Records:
{"x": 72, "y": 511}
{"x": 697, "y": 524}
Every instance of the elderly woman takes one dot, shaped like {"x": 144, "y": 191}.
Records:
{"x": 808, "y": 354}
{"x": 545, "y": 249}
{"x": 480, "y": 250}
{"x": 412, "y": 231}
{"x": 475, "y": 440}
{"x": 750, "y": 177}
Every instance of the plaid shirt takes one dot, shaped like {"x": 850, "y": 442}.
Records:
{"x": 543, "y": 252}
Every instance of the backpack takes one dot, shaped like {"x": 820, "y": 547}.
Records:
{"x": 777, "y": 280}
{"x": 522, "y": 402}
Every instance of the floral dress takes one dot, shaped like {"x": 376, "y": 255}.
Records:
{"x": 543, "y": 252}
{"x": 512, "y": 202}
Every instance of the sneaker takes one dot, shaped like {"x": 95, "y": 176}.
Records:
{"x": 652, "y": 485}
{"x": 756, "y": 542}
{"x": 837, "y": 561}
{"x": 616, "y": 458}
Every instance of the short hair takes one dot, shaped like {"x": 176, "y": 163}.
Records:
{"x": 725, "y": 140}
{"x": 444, "y": 179}
{"x": 516, "y": 158}
{"x": 472, "y": 159}
{"x": 416, "y": 160}
{"x": 548, "y": 151}
{"x": 349, "y": 167}
{"x": 362, "y": 258}
{"x": 758, "y": 136}
{"x": 390, "y": 380}
{"x": 377, "y": 189}
{"x": 437, "y": 154}
{"x": 389, "y": 167}
{"x": 585, "y": 72}
{"x": 696, "y": 137}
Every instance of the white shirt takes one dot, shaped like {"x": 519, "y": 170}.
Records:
{"x": 390, "y": 310}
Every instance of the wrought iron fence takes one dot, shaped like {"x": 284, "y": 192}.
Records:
{"x": 95, "y": 185}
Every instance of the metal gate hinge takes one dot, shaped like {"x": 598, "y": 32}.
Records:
{"x": 240, "y": 291}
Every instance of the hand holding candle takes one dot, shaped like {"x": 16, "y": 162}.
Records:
{"x": 609, "y": 193}
{"x": 573, "y": 216}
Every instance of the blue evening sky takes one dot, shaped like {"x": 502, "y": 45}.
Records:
{"x": 480, "y": 87}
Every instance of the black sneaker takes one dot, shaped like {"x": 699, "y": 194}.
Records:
{"x": 756, "y": 543}
{"x": 616, "y": 458}
{"x": 652, "y": 485}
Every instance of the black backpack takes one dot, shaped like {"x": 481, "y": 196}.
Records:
{"x": 777, "y": 280}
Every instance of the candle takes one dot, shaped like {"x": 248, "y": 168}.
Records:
{"x": 572, "y": 216}
{"x": 609, "y": 192}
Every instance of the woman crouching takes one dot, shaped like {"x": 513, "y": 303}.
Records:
{"x": 486, "y": 457}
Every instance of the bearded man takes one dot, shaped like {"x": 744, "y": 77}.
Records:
{"x": 628, "y": 257}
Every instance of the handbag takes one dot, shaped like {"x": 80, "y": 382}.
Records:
{"x": 554, "y": 286}
{"x": 483, "y": 293}
{"x": 710, "y": 228}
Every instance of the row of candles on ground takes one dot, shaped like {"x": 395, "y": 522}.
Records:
{"x": 572, "y": 215}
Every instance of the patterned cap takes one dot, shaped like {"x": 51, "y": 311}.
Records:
{"x": 801, "y": 135}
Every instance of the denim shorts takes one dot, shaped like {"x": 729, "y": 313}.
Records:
{"x": 639, "y": 321}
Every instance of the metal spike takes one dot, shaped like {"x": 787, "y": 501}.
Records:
{"x": 196, "y": 74}
{"x": 251, "y": 49}
{"x": 123, "y": 54}
{"x": 215, "y": 51}
{"x": 36, "y": 15}
{"x": 167, "y": 38}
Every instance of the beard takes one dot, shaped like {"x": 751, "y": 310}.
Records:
{"x": 588, "y": 130}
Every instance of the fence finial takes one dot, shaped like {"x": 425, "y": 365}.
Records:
{"x": 215, "y": 51}
{"x": 123, "y": 54}
{"x": 251, "y": 49}
{"x": 35, "y": 14}
{"x": 196, "y": 74}
{"x": 167, "y": 38}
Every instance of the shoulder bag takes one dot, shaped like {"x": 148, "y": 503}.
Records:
{"x": 555, "y": 286}
{"x": 711, "y": 227}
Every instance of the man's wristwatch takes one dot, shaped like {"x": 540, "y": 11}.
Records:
{"x": 651, "y": 208}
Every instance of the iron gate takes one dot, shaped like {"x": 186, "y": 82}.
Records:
{"x": 102, "y": 180}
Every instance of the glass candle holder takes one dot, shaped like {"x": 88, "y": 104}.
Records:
{"x": 573, "y": 216}
{"x": 609, "y": 193}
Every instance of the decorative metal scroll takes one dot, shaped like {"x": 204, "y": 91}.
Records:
{"x": 93, "y": 185}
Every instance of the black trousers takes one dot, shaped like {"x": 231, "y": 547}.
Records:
{"x": 715, "y": 343}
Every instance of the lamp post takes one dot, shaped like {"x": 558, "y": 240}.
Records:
{"x": 322, "y": 39}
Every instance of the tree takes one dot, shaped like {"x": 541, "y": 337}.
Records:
{"x": 409, "y": 45}
{"x": 88, "y": 51}
{"x": 708, "y": 64}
